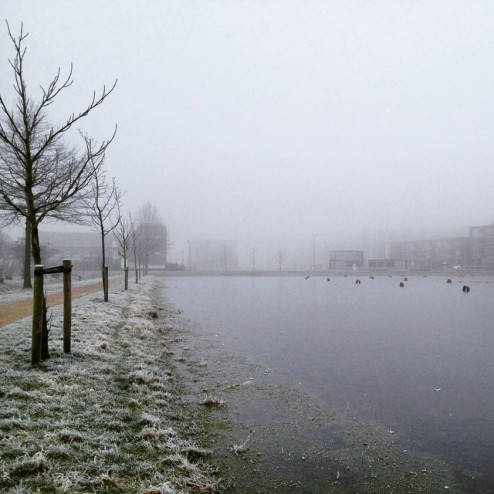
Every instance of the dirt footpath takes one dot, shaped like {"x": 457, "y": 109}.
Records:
{"x": 13, "y": 311}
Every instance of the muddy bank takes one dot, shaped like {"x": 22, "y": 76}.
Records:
{"x": 267, "y": 436}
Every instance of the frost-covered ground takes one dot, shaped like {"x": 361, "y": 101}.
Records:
{"x": 106, "y": 418}
{"x": 11, "y": 290}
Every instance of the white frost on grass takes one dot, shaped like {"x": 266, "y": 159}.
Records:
{"x": 210, "y": 400}
{"x": 11, "y": 290}
{"x": 103, "y": 418}
{"x": 242, "y": 447}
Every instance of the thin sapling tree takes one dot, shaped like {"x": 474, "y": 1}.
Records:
{"x": 123, "y": 234}
{"x": 103, "y": 211}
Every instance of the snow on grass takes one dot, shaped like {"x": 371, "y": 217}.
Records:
{"x": 105, "y": 418}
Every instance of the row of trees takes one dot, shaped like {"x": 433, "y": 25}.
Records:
{"x": 44, "y": 176}
{"x": 138, "y": 241}
{"x": 139, "y": 236}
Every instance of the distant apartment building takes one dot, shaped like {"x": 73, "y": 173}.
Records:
{"x": 387, "y": 265}
{"x": 432, "y": 254}
{"x": 83, "y": 248}
{"x": 213, "y": 255}
{"x": 482, "y": 245}
{"x": 346, "y": 259}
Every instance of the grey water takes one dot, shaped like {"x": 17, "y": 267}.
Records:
{"x": 418, "y": 358}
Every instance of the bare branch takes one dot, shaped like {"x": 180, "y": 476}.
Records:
{"x": 40, "y": 176}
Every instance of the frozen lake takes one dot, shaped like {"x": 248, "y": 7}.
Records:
{"x": 419, "y": 359}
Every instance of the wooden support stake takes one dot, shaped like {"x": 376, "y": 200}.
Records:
{"x": 67, "y": 304}
{"x": 37, "y": 314}
{"x": 105, "y": 283}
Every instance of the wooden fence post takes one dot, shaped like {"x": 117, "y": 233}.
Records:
{"x": 37, "y": 314}
{"x": 67, "y": 304}
{"x": 105, "y": 284}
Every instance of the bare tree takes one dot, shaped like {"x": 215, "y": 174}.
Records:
{"x": 4, "y": 247}
{"x": 6, "y": 220}
{"x": 40, "y": 176}
{"x": 123, "y": 234}
{"x": 134, "y": 245}
{"x": 17, "y": 255}
{"x": 103, "y": 210}
{"x": 280, "y": 257}
{"x": 152, "y": 233}
{"x": 26, "y": 271}
{"x": 166, "y": 243}
{"x": 9, "y": 256}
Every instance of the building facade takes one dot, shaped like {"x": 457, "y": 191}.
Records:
{"x": 82, "y": 248}
{"x": 433, "y": 254}
{"x": 387, "y": 264}
{"x": 482, "y": 245}
{"x": 346, "y": 259}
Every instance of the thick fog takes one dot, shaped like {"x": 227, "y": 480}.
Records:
{"x": 282, "y": 123}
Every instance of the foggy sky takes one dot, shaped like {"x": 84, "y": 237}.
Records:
{"x": 270, "y": 122}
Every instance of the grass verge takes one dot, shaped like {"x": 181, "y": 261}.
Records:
{"x": 106, "y": 418}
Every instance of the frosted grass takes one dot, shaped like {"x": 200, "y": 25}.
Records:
{"x": 105, "y": 418}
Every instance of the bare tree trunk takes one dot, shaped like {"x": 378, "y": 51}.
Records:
{"x": 43, "y": 321}
{"x": 67, "y": 304}
{"x": 104, "y": 268}
{"x": 27, "y": 256}
{"x": 105, "y": 283}
{"x": 37, "y": 325}
{"x": 35, "y": 245}
{"x": 146, "y": 263}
